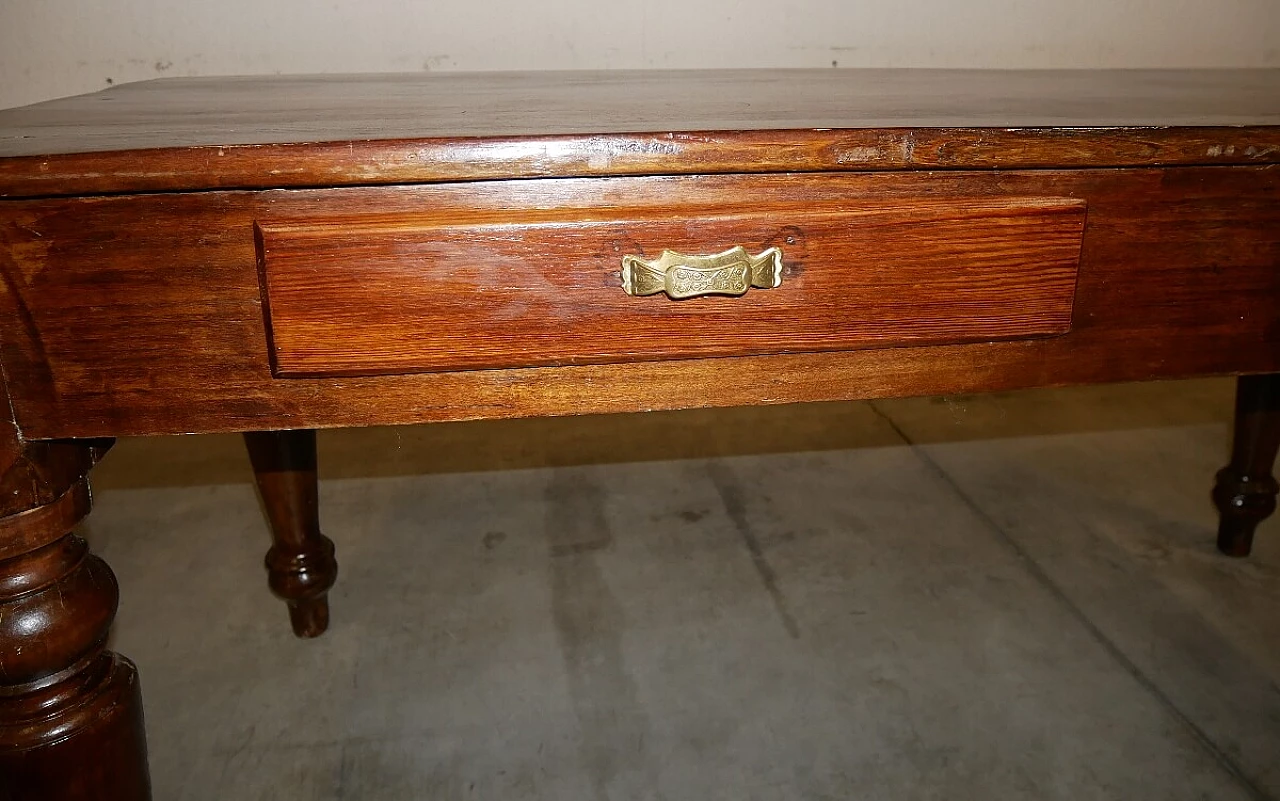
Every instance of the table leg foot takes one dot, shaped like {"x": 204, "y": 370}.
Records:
{"x": 70, "y": 711}
{"x": 1245, "y": 492}
{"x": 309, "y": 618}
{"x": 300, "y": 564}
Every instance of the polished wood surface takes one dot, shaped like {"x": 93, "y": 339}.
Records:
{"x": 225, "y": 255}
{"x": 70, "y": 710}
{"x": 262, "y": 132}
{"x": 1246, "y": 490}
{"x": 368, "y": 294}
{"x": 143, "y": 314}
{"x": 300, "y": 563}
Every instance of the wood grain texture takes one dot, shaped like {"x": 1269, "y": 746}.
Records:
{"x": 265, "y": 132}
{"x": 136, "y": 315}
{"x": 370, "y": 294}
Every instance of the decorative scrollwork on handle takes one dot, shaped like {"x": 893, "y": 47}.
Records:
{"x": 732, "y": 272}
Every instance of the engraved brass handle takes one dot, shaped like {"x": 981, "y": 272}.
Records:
{"x": 732, "y": 272}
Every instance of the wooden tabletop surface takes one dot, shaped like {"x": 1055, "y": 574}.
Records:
{"x": 182, "y": 114}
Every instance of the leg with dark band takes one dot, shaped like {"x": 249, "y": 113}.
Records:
{"x": 300, "y": 565}
{"x": 1245, "y": 493}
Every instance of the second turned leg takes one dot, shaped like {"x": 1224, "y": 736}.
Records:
{"x": 300, "y": 564}
{"x": 1245, "y": 493}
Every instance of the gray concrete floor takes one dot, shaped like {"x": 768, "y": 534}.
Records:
{"x": 1006, "y": 596}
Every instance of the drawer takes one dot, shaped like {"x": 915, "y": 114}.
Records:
{"x": 123, "y": 309}
{"x": 368, "y": 293}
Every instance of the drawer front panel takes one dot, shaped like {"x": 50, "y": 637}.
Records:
{"x": 370, "y": 294}
{"x": 144, "y": 314}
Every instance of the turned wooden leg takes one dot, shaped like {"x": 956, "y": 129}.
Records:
{"x": 70, "y": 710}
{"x": 300, "y": 565}
{"x": 1245, "y": 492}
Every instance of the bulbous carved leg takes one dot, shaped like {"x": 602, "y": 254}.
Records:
{"x": 1245, "y": 493}
{"x": 300, "y": 564}
{"x": 70, "y": 711}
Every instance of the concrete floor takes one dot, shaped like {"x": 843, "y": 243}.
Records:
{"x": 782, "y": 603}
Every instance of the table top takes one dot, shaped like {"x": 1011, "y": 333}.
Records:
{"x": 193, "y": 112}
{"x": 261, "y": 132}
{"x": 958, "y": 216}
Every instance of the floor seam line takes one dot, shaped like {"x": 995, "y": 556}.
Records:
{"x": 727, "y": 489}
{"x": 1042, "y": 578}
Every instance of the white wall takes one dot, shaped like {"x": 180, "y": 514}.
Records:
{"x": 51, "y": 48}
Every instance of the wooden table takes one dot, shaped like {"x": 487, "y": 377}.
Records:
{"x": 275, "y": 255}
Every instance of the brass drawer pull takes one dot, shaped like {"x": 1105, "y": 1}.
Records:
{"x": 732, "y": 272}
